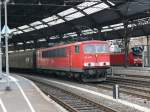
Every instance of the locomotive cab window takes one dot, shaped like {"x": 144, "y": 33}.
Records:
{"x": 96, "y": 48}
{"x": 77, "y": 49}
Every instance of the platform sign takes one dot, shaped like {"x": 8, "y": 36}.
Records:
{"x": 5, "y": 30}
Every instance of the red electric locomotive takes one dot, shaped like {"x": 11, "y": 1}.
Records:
{"x": 87, "y": 60}
{"x": 134, "y": 57}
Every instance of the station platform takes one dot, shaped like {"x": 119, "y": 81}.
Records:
{"x": 24, "y": 96}
{"x": 144, "y": 71}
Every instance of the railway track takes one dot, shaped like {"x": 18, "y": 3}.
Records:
{"x": 129, "y": 90}
{"x": 70, "y": 101}
{"x": 141, "y": 82}
{"x": 133, "y": 76}
{"x": 128, "y": 85}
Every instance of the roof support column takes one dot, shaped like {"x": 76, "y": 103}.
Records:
{"x": 24, "y": 45}
{"x": 126, "y": 43}
{"x": 35, "y": 44}
{"x": 148, "y": 51}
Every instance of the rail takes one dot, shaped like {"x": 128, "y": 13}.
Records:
{"x": 70, "y": 101}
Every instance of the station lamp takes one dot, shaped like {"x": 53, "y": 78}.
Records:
{"x": 6, "y": 32}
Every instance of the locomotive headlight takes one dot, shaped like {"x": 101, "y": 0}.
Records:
{"x": 107, "y": 63}
{"x": 104, "y": 63}
{"x": 90, "y": 64}
{"x": 87, "y": 64}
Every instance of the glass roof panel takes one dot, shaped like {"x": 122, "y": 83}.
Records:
{"x": 115, "y": 25}
{"x": 17, "y": 32}
{"x": 88, "y": 31}
{"x": 42, "y": 40}
{"x": 118, "y": 28}
{"x": 96, "y": 8}
{"x": 28, "y": 29}
{"x": 14, "y": 30}
{"x": 105, "y": 27}
{"x": 74, "y": 16}
{"x": 72, "y": 34}
{"x": 111, "y": 3}
{"x": 40, "y": 26}
{"x": 66, "y": 12}
{"x": 54, "y": 37}
{"x": 85, "y": 4}
{"x": 58, "y": 21}
{"x": 50, "y": 18}
{"x": 28, "y": 42}
{"x": 106, "y": 30}
{"x": 20, "y": 43}
{"x": 23, "y": 27}
{"x": 35, "y": 23}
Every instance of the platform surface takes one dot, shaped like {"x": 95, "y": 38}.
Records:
{"x": 24, "y": 96}
{"x": 144, "y": 71}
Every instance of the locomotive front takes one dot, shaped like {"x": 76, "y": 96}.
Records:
{"x": 96, "y": 62}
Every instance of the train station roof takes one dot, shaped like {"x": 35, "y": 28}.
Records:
{"x": 42, "y": 22}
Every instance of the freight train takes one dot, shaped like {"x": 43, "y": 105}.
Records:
{"x": 87, "y": 60}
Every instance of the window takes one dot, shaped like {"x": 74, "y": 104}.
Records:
{"x": 77, "y": 49}
{"x": 89, "y": 49}
{"x": 96, "y": 48}
{"x": 60, "y": 52}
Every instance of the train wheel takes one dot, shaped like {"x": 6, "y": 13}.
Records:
{"x": 79, "y": 78}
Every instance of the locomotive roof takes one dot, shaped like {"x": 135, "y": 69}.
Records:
{"x": 76, "y": 43}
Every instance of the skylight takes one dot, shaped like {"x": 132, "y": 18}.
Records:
{"x": 20, "y": 43}
{"x": 85, "y": 4}
{"x": 23, "y": 27}
{"x": 106, "y": 30}
{"x": 88, "y": 31}
{"x": 29, "y": 42}
{"x": 28, "y": 29}
{"x": 115, "y": 25}
{"x": 66, "y": 12}
{"x": 35, "y": 23}
{"x": 52, "y": 18}
{"x": 96, "y": 8}
{"x": 58, "y": 21}
{"x": 88, "y": 7}
{"x": 111, "y": 3}
{"x": 17, "y": 32}
{"x": 72, "y": 34}
{"x": 42, "y": 40}
{"x": 40, "y": 27}
{"x": 118, "y": 28}
{"x": 54, "y": 37}
{"x": 74, "y": 16}
{"x": 14, "y": 30}
{"x": 105, "y": 27}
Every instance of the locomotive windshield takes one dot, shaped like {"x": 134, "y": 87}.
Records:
{"x": 96, "y": 48}
{"x": 137, "y": 51}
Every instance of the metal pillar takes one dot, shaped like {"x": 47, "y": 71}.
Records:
{"x": 6, "y": 46}
{"x": 116, "y": 91}
{"x": 143, "y": 59}
{"x": 0, "y": 41}
{"x": 148, "y": 51}
{"x": 126, "y": 43}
